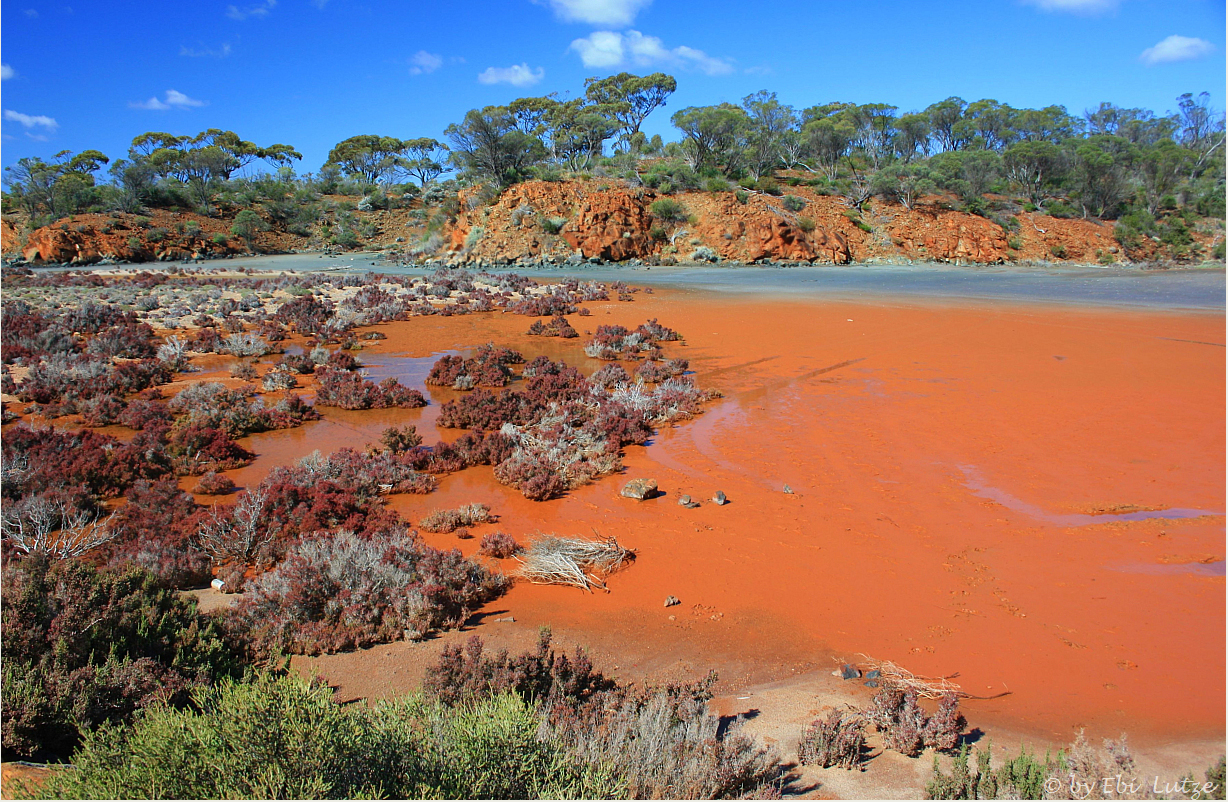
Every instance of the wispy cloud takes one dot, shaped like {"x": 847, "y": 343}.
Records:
{"x": 31, "y": 120}
{"x": 174, "y": 100}
{"x": 616, "y": 13}
{"x": 31, "y": 13}
{"x": 1076, "y": 6}
{"x": 611, "y": 49}
{"x": 7, "y": 72}
{"x": 516, "y": 75}
{"x": 205, "y": 52}
{"x": 1176, "y": 48}
{"x": 262, "y": 10}
{"x": 423, "y": 61}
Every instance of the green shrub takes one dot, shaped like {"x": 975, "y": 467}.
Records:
{"x": 1014, "y": 243}
{"x": 805, "y": 224}
{"x": 1217, "y": 250}
{"x": 1058, "y": 250}
{"x": 1104, "y": 257}
{"x": 1022, "y": 777}
{"x": 742, "y": 196}
{"x": 856, "y": 220}
{"x": 220, "y": 239}
{"x": 658, "y": 234}
{"x": 280, "y": 738}
{"x": 668, "y": 210}
{"x": 793, "y": 203}
{"x": 134, "y": 244}
{"x": 716, "y": 185}
{"x": 156, "y": 234}
{"x": 553, "y": 225}
{"x": 143, "y": 222}
{"x": 768, "y": 185}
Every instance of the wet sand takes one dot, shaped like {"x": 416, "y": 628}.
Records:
{"x": 1029, "y": 496}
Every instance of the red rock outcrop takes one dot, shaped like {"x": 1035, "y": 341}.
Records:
{"x": 613, "y": 225}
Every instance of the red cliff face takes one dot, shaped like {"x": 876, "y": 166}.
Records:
{"x": 613, "y": 225}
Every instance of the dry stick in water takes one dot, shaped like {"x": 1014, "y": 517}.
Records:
{"x": 926, "y": 687}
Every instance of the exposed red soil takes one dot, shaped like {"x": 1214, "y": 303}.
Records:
{"x": 614, "y": 223}
{"x": 883, "y": 418}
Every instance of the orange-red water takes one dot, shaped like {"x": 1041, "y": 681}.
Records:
{"x": 933, "y": 450}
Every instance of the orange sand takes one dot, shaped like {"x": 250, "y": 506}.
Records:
{"x": 878, "y": 415}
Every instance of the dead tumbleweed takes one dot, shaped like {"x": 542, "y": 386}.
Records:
{"x": 585, "y": 564}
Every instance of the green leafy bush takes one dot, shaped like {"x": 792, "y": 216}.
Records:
{"x": 668, "y": 210}
{"x": 280, "y": 738}
{"x": 793, "y": 203}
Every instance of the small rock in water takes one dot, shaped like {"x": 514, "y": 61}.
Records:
{"x": 719, "y": 498}
{"x": 788, "y": 489}
{"x": 849, "y": 671}
{"x": 640, "y": 489}
{"x": 670, "y": 601}
{"x": 685, "y": 501}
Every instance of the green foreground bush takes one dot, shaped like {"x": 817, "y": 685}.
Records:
{"x": 281, "y": 738}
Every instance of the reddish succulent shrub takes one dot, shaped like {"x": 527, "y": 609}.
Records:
{"x": 83, "y": 648}
{"x": 398, "y": 441}
{"x": 545, "y": 676}
{"x": 197, "y": 448}
{"x": 609, "y": 375}
{"x": 342, "y": 591}
{"x": 838, "y": 740}
{"x": 101, "y": 410}
{"x": 343, "y": 360}
{"x": 482, "y": 409}
{"x": 487, "y": 368}
{"x": 908, "y": 729}
{"x": 307, "y": 313}
{"x": 545, "y": 305}
{"x": 214, "y": 484}
{"x": 141, "y": 414}
{"x": 52, "y": 458}
{"x": 499, "y": 545}
{"x": 155, "y": 530}
{"x": 472, "y": 448}
{"x": 557, "y": 327}
{"x": 337, "y": 388}
{"x": 655, "y": 370}
{"x": 131, "y": 341}
{"x": 298, "y": 363}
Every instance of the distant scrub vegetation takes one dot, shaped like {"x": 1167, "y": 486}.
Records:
{"x": 1155, "y": 174}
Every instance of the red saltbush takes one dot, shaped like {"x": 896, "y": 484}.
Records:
{"x": 499, "y": 545}
{"x": 214, "y": 484}
{"x": 340, "y": 591}
{"x": 338, "y": 388}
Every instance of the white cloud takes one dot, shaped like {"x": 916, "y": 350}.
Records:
{"x": 1076, "y": 6}
{"x": 31, "y": 120}
{"x": 7, "y": 72}
{"x": 31, "y": 13}
{"x": 423, "y": 61}
{"x": 516, "y": 75}
{"x": 262, "y": 10}
{"x": 174, "y": 100}
{"x": 221, "y": 52}
{"x": 610, "y": 49}
{"x": 617, "y": 13}
{"x": 1176, "y": 48}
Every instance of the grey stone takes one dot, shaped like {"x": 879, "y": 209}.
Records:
{"x": 719, "y": 498}
{"x": 640, "y": 489}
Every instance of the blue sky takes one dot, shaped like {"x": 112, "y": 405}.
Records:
{"x": 310, "y": 73}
